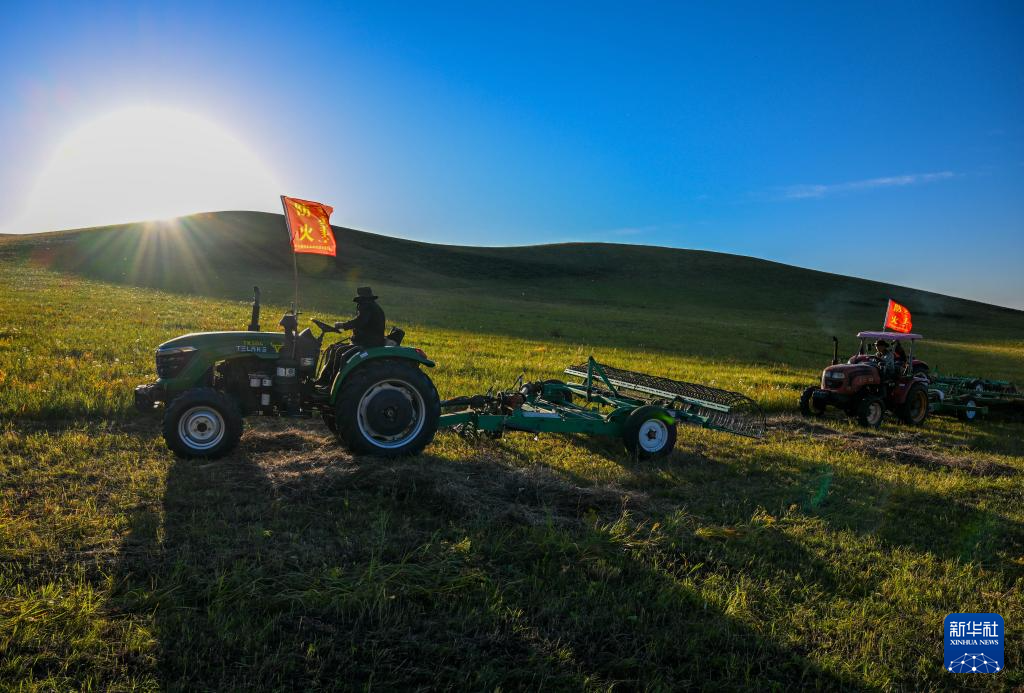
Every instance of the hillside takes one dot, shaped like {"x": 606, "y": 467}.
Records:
{"x": 602, "y": 295}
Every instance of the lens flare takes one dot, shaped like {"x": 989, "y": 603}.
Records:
{"x": 144, "y": 163}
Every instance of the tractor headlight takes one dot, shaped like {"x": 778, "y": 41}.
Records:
{"x": 834, "y": 379}
{"x": 170, "y": 362}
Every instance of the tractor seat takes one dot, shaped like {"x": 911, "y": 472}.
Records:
{"x": 394, "y": 337}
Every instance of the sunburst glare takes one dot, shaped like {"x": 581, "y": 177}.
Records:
{"x": 146, "y": 162}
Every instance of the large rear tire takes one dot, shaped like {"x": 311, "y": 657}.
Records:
{"x": 871, "y": 411}
{"x": 914, "y": 409}
{"x": 202, "y": 423}
{"x": 807, "y": 405}
{"x": 649, "y": 432}
{"x": 387, "y": 408}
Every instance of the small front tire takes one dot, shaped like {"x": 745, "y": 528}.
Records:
{"x": 202, "y": 422}
{"x": 871, "y": 411}
{"x": 808, "y": 407}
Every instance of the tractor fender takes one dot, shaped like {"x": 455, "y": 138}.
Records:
{"x": 374, "y": 354}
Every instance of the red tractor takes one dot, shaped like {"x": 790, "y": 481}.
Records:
{"x": 868, "y": 385}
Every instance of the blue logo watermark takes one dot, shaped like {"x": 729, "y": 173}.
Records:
{"x": 974, "y": 643}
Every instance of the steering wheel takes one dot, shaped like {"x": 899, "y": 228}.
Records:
{"x": 324, "y": 327}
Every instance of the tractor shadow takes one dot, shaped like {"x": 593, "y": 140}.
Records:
{"x": 291, "y": 565}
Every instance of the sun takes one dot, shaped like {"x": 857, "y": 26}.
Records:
{"x": 146, "y": 162}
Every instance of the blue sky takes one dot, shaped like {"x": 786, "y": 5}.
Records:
{"x": 879, "y": 140}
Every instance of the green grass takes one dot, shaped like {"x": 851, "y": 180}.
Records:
{"x": 821, "y": 557}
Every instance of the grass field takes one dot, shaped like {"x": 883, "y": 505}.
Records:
{"x": 821, "y": 557}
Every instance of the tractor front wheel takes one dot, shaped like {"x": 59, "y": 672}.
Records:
{"x": 202, "y": 423}
{"x": 649, "y": 432}
{"x": 387, "y": 408}
{"x": 914, "y": 409}
{"x": 871, "y": 411}
{"x": 808, "y": 407}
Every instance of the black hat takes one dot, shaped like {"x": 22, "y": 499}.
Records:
{"x": 364, "y": 292}
{"x": 881, "y": 342}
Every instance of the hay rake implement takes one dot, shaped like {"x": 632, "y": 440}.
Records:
{"x": 968, "y": 397}
{"x": 643, "y": 410}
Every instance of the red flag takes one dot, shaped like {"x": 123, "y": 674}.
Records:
{"x": 309, "y": 226}
{"x": 897, "y": 318}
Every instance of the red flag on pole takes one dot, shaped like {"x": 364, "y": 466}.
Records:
{"x": 309, "y": 226}
{"x": 897, "y": 318}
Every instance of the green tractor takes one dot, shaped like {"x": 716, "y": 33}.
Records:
{"x": 376, "y": 400}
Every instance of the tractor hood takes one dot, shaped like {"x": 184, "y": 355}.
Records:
{"x": 849, "y": 369}
{"x": 188, "y": 360}
{"x": 229, "y": 343}
{"x": 849, "y": 376}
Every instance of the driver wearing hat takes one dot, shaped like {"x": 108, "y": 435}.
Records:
{"x": 886, "y": 360}
{"x": 368, "y": 324}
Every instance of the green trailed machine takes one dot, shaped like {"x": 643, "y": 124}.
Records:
{"x": 643, "y": 410}
{"x": 969, "y": 397}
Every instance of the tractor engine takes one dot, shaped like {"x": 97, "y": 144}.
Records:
{"x": 849, "y": 378}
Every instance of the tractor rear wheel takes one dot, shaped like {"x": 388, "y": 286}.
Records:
{"x": 871, "y": 411}
{"x": 914, "y": 409}
{"x": 203, "y": 422}
{"x": 649, "y": 432}
{"x": 808, "y": 407}
{"x": 387, "y": 408}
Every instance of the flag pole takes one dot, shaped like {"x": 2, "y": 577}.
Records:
{"x": 295, "y": 259}
{"x": 295, "y": 268}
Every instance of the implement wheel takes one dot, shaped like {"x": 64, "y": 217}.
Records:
{"x": 807, "y": 405}
{"x": 649, "y": 432}
{"x": 969, "y": 414}
{"x": 914, "y": 409}
{"x": 202, "y": 423}
{"x": 387, "y": 408}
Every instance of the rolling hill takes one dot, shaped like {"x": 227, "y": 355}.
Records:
{"x": 603, "y": 295}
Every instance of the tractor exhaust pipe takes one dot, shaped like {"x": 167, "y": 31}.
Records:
{"x": 835, "y": 350}
{"x": 254, "y": 321}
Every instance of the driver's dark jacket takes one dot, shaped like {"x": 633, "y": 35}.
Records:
{"x": 368, "y": 324}
{"x": 887, "y": 364}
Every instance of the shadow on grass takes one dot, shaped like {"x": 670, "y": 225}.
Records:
{"x": 292, "y": 566}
